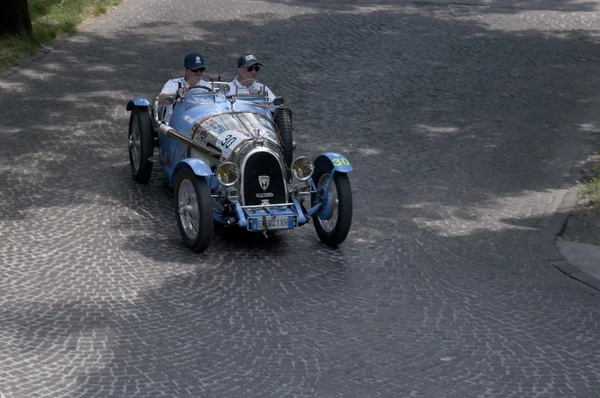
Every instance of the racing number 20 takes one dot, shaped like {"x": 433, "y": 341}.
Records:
{"x": 228, "y": 141}
{"x": 340, "y": 161}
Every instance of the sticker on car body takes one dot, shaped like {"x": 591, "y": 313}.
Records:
{"x": 214, "y": 125}
{"x": 229, "y": 140}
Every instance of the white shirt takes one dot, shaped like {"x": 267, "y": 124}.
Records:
{"x": 171, "y": 87}
{"x": 255, "y": 88}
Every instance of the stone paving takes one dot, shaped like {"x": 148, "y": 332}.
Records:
{"x": 463, "y": 122}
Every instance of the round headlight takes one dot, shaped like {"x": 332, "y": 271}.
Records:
{"x": 302, "y": 168}
{"x": 228, "y": 174}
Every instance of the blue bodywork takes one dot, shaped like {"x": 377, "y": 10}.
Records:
{"x": 138, "y": 102}
{"x": 198, "y": 166}
{"x": 338, "y": 161}
{"x": 183, "y": 119}
{"x": 173, "y": 157}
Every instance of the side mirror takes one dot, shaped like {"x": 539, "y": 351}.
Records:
{"x": 278, "y": 101}
{"x": 169, "y": 100}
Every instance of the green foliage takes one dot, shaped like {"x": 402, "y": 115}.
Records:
{"x": 50, "y": 19}
{"x": 590, "y": 190}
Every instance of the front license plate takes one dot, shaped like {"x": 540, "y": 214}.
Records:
{"x": 272, "y": 222}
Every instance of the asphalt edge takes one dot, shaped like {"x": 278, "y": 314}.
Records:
{"x": 26, "y": 61}
{"x": 555, "y": 229}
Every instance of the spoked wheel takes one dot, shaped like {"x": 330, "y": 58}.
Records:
{"x": 141, "y": 145}
{"x": 333, "y": 221}
{"x": 284, "y": 125}
{"x": 193, "y": 210}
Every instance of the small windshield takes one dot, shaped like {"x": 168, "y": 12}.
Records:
{"x": 198, "y": 96}
{"x": 249, "y": 90}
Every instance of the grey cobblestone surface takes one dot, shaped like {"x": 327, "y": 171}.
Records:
{"x": 462, "y": 122}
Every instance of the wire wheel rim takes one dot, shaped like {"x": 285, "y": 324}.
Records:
{"x": 134, "y": 143}
{"x": 330, "y": 224}
{"x": 189, "y": 213}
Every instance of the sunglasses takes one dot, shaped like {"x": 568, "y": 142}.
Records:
{"x": 251, "y": 68}
{"x": 198, "y": 70}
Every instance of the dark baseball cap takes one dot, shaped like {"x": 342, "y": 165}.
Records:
{"x": 247, "y": 60}
{"x": 193, "y": 61}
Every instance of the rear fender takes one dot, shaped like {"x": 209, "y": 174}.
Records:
{"x": 334, "y": 160}
{"x": 138, "y": 102}
{"x": 199, "y": 167}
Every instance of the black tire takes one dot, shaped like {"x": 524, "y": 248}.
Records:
{"x": 343, "y": 219}
{"x": 284, "y": 125}
{"x": 139, "y": 124}
{"x": 201, "y": 240}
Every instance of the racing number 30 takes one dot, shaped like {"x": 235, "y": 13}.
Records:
{"x": 340, "y": 161}
{"x": 228, "y": 141}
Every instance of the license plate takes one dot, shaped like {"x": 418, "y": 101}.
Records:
{"x": 272, "y": 222}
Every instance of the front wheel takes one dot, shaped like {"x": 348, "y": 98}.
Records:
{"x": 333, "y": 221}
{"x": 193, "y": 210}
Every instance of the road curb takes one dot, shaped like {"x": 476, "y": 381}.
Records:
{"x": 553, "y": 231}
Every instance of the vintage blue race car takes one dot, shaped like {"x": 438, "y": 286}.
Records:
{"x": 228, "y": 157}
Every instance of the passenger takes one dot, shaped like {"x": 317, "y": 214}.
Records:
{"x": 245, "y": 82}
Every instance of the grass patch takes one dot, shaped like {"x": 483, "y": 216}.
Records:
{"x": 50, "y": 19}
{"x": 590, "y": 189}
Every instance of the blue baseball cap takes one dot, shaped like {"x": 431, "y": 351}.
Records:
{"x": 194, "y": 61}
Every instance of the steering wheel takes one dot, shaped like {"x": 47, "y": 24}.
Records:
{"x": 200, "y": 86}
{"x": 262, "y": 87}
{"x": 251, "y": 82}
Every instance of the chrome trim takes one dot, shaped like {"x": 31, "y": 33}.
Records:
{"x": 243, "y": 122}
{"x": 206, "y": 117}
{"x": 237, "y": 169}
{"x": 188, "y": 209}
{"x": 210, "y": 145}
{"x": 155, "y": 112}
{"x": 232, "y": 195}
{"x": 171, "y": 132}
{"x": 243, "y": 169}
{"x": 135, "y": 143}
{"x": 312, "y": 168}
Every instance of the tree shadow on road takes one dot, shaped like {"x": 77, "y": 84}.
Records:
{"x": 251, "y": 327}
{"x": 456, "y": 129}
{"x": 486, "y": 6}
{"x": 451, "y": 113}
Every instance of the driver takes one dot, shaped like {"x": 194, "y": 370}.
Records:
{"x": 193, "y": 68}
{"x": 245, "y": 82}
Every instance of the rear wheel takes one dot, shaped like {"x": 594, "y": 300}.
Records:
{"x": 284, "y": 125}
{"x": 333, "y": 221}
{"x": 141, "y": 145}
{"x": 193, "y": 210}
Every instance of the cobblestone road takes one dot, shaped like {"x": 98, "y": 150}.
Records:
{"x": 462, "y": 122}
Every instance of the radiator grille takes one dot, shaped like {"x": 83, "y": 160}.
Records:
{"x": 263, "y": 180}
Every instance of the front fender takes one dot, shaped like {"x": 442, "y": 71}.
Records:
{"x": 199, "y": 167}
{"x": 137, "y": 101}
{"x": 336, "y": 160}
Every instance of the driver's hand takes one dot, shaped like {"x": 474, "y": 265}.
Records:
{"x": 185, "y": 86}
